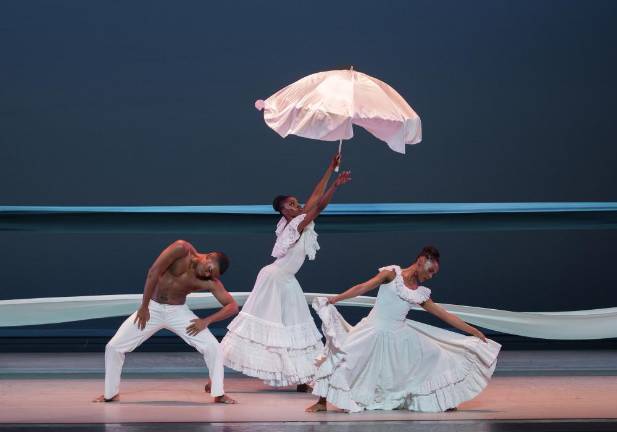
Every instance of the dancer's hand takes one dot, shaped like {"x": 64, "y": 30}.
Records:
{"x": 142, "y": 317}
{"x": 343, "y": 178}
{"x": 336, "y": 161}
{"x": 477, "y": 333}
{"x": 197, "y": 326}
{"x": 332, "y": 300}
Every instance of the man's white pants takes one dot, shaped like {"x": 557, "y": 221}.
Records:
{"x": 171, "y": 317}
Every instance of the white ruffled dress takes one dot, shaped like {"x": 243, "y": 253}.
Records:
{"x": 388, "y": 362}
{"x": 274, "y": 337}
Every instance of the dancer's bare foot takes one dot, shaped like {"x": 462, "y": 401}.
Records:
{"x": 318, "y": 406}
{"x": 304, "y": 388}
{"x": 208, "y": 386}
{"x": 101, "y": 398}
{"x": 224, "y": 399}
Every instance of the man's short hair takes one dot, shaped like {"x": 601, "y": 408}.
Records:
{"x": 223, "y": 261}
{"x": 430, "y": 252}
{"x": 278, "y": 202}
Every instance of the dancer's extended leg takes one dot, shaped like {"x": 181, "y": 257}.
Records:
{"x": 127, "y": 338}
{"x": 207, "y": 345}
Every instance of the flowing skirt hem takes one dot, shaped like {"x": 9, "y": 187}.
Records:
{"x": 273, "y": 334}
{"x": 440, "y": 392}
{"x": 276, "y": 366}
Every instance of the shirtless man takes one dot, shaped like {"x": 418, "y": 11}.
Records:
{"x": 178, "y": 271}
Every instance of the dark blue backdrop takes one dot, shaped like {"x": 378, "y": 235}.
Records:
{"x": 137, "y": 103}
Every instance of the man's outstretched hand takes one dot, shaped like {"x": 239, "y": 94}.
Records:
{"x": 343, "y": 178}
{"x": 142, "y": 317}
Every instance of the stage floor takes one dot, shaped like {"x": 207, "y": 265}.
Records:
{"x": 168, "y": 388}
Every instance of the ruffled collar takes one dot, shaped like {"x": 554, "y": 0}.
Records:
{"x": 415, "y": 296}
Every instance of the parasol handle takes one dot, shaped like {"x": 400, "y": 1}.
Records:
{"x": 340, "y": 146}
{"x": 340, "y": 142}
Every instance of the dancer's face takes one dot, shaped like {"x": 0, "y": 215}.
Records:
{"x": 207, "y": 266}
{"x": 291, "y": 207}
{"x": 426, "y": 269}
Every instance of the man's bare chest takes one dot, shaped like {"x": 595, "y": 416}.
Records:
{"x": 184, "y": 282}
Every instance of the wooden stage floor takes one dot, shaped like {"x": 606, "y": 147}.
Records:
{"x": 552, "y": 389}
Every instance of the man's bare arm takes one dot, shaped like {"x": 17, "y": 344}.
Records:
{"x": 229, "y": 309}
{"x": 171, "y": 254}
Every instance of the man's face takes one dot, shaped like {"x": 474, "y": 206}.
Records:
{"x": 292, "y": 207}
{"x": 207, "y": 267}
{"x": 426, "y": 269}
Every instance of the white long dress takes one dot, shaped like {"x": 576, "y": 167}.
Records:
{"x": 274, "y": 337}
{"x": 388, "y": 362}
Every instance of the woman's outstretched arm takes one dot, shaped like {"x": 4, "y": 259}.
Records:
{"x": 343, "y": 178}
{"x": 320, "y": 188}
{"x": 451, "y": 319}
{"x": 383, "y": 276}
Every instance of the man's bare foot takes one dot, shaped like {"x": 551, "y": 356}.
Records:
{"x": 317, "y": 407}
{"x": 208, "y": 386}
{"x": 101, "y": 398}
{"x": 224, "y": 399}
{"x": 304, "y": 388}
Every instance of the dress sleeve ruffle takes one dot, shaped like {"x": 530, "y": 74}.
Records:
{"x": 287, "y": 235}
{"x": 417, "y": 296}
{"x": 310, "y": 244}
{"x": 280, "y": 226}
